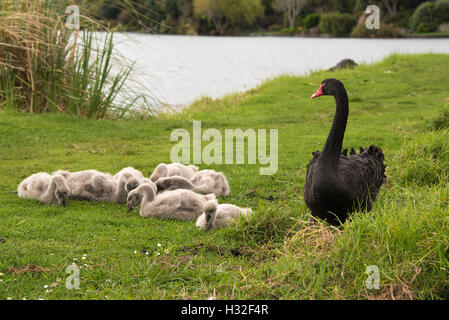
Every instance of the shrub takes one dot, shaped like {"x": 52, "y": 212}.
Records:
{"x": 290, "y": 31}
{"x": 422, "y": 14}
{"x": 425, "y": 27}
{"x": 385, "y": 31}
{"x": 400, "y": 19}
{"x": 442, "y": 11}
{"x": 337, "y": 24}
{"x": 429, "y": 15}
{"x": 311, "y": 21}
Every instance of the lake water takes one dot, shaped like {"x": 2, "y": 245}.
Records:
{"x": 179, "y": 69}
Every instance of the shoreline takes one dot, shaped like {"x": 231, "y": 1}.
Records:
{"x": 435, "y": 35}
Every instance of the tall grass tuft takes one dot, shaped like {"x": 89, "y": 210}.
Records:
{"x": 47, "y": 67}
{"x": 442, "y": 121}
{"x": 424, "y": 160}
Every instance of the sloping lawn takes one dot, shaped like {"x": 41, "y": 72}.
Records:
{"x": 277, "y": 254}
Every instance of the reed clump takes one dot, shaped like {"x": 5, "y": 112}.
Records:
{"x": 49, "y": 65}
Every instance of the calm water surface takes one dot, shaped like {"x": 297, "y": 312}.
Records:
{"x": 179, "y": 69}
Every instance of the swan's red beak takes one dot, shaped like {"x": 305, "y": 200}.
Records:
{"x": 319, "y": 92}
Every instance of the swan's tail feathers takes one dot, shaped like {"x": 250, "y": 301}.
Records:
{"x": 377, "y": 153}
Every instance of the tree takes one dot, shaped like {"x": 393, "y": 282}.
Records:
{"x": 291, "y": 8}
{"x": 223, "y": 12}
{"x": 391, "y": 6}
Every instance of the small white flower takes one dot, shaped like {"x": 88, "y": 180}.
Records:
{"x": 166, "y": 251}
{"x": 1, "y": 274}
{"x": 8, "y": 298}
{"x": 52, "y": 254}
{"x": 75, "y": 259}
{"x": 159, "y": 245}
{"x": 135, "y": 251}
{"x": 49, "y": 290}
{"x": 147, "y": 253}
{"x": 84, "y": 258}
{"x": 46, "y": 286}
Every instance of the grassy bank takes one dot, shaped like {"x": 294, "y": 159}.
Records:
{"x": 275, "y": 255}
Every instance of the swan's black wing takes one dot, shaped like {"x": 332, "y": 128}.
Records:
{"x": 364, "y": 173}
{"x": 311, "y": 168}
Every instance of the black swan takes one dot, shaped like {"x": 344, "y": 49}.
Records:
{"x": 338, "y": 184}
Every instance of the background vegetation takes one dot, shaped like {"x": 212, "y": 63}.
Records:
{"x": 49, "y": 67}
{"x": 400, "y": 104}
{"x": 266, "y": 16}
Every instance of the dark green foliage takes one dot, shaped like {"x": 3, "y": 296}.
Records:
{"x": 177, "y": 16}
{"x": 424, "y": 27}
{"x": 442, "y": 11}
{"x": 337, "y": 24}
{"x": 429, "y": 15}
{"x": 385, "y": 31}
{"x": 332, "y": 5}
{"x": 311, "y": 20}
{"x": 109, "y": 10}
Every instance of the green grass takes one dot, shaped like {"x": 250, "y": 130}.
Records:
{"x": 274, "y": 255}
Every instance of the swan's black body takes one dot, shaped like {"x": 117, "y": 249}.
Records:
{"x": 338, "y": 184}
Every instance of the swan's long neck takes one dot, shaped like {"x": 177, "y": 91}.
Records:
{"x": 334, "y": 143}
{"x": 148, "y": 194}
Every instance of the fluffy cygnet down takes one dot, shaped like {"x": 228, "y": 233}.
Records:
{"x": 204, "y": 182}
{"x": 216, "y": 216}
{"x": 177, "y": 204}
{"x": 46, "y": 188}
{"x": 173, "y": 169}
